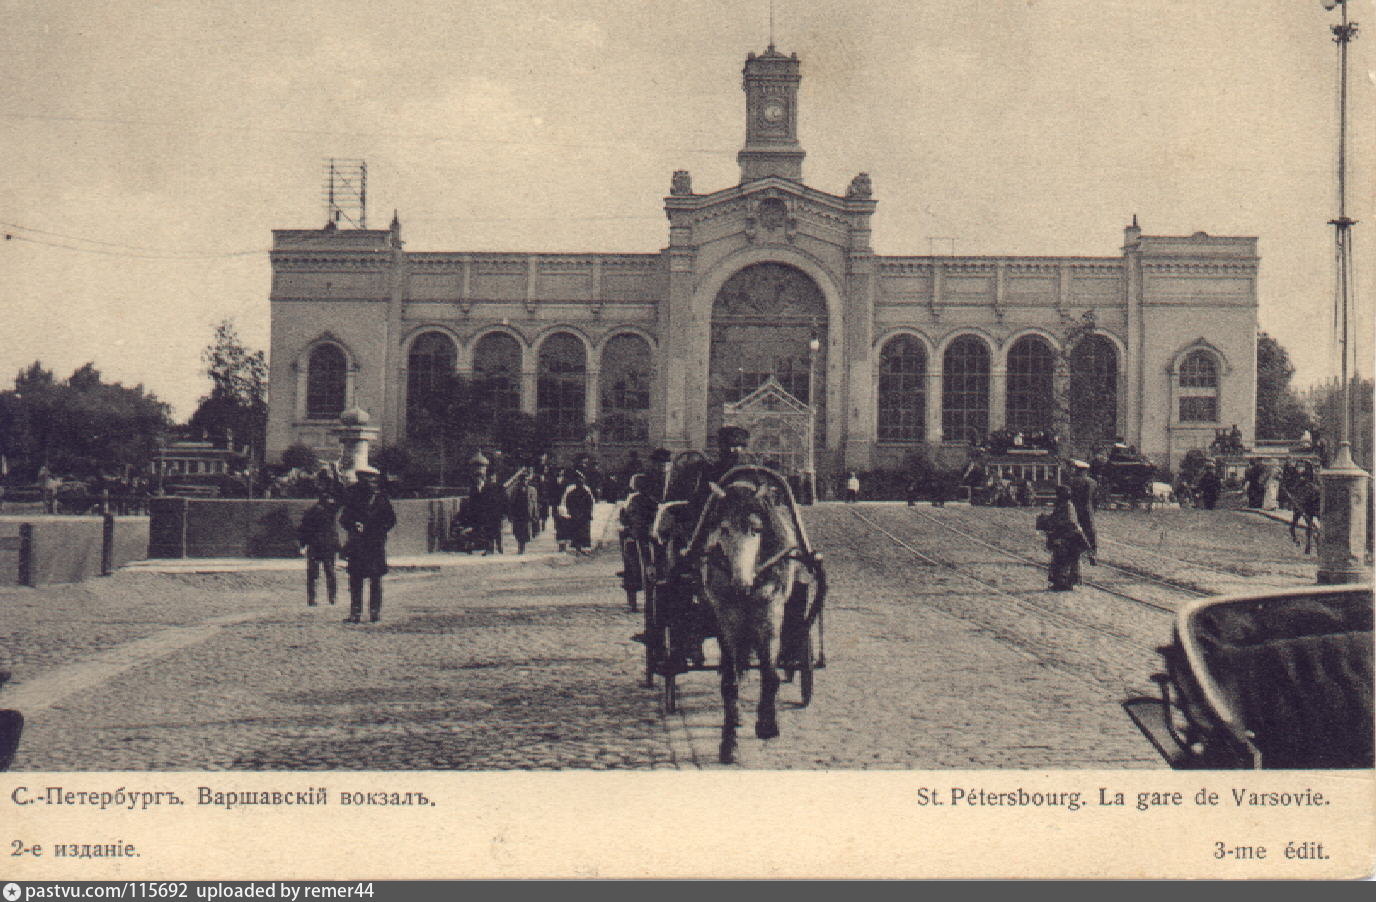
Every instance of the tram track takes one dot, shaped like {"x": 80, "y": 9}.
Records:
{"x": 1133, "y": 572}
{"x": 1129, "y": 667}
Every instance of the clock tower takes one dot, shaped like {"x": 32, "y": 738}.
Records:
{"x": 771, "y": 117}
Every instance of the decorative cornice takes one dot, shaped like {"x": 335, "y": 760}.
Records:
{"x": 299, "y": 262}
{"x": 322, "y": 299}
{"x": 1216, "y": 267}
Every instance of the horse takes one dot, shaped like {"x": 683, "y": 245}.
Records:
{"x": 1305, "y": 501}
{"x": 749, "y": 567}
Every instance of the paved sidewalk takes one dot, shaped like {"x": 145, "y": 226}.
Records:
{"x": 542, "y": 549}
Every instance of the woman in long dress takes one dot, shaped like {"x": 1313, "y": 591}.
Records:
{"x": 1271, "y": 500}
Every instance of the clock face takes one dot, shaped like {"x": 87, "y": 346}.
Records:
{"x": 773, "y": 112}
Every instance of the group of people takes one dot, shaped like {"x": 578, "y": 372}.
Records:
{"x": 366, "y": 516}
{"x": 527, "y": 498}
{"x": 1069, "y": 528}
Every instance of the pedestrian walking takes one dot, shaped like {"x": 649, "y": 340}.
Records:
{"x": 852, "y": 487}
{"x": 577, "y": 505}
{"x": 1208, "y": 487}
{"x": 318, "y": 538}
{"x": 367, "y": 517}
{"x": 489, "y": 510}
{"x": 523, "y": 510}
{"x": 1065, "y": 539}
{"x": 1255, "y": 480}
{"x": 1083, "y": 491}
{"x": 1271, "y": 498}
{"x": 551, "y": 490}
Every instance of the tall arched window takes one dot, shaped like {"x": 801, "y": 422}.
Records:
{"x": 497, "y": 374}
{"x": 626, "y": 372}
{"x": 562, "y": 387}
{"x": 1199, "y": 388}
{"x": 965, "y": 390}
{"x": 902, "y": 390}
{"x": 1031, "y": 384}
{"x": 1093, "y": 392}
{"x": 429, "y": 370}
{"x": 326, "y": 382}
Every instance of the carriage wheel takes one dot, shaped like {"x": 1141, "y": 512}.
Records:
{"x": 805, "y": 669}
{"x": 670, "y": 693}
{"x": 654, "y": 635}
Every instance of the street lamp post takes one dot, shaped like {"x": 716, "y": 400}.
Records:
{"x": 814, "y": 344}
{"x": 1342, "y": 541}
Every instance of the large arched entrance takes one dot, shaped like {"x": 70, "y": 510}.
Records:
{"x": 764, "y": 320}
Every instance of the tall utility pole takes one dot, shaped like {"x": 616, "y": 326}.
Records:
{"x": 1342, "y": 540}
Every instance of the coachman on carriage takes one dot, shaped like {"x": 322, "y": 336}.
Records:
{"x": 726, "y": 557}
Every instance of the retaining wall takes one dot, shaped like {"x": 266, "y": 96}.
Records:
{"x": 242, "y": 527}
{"x": 46, "y": 550}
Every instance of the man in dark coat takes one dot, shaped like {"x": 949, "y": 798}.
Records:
{"x": 1208, "y": 487}
{"x": 1255, "y": 479}
{"x": 578, "y": 502}
{"x": 696, "y": 487}
{"x": 523, "y": 510}
{"x": 658, "y": 473}
{"x": 1083, "y": 488}
{"x": 318, "y": 538}
{"x": 367, "y": 517}
{"x": 489, "y": 509}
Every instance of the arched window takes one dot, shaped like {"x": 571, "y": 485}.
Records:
{"x": 1093, "y": 392}
{"x": 497, "y": 374}
{"x": 627, "y": 369}
{"x": 965, "y": 390}
{"x": 562, "y": 387}
{"x": 326, "y": 382}
{"x": 902, "y": 390}
{"x": 429, "y": 371}
{"x": 1199, "y": 388}
{"x": 1031, "y": 384}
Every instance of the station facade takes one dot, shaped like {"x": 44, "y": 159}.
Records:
{"x": 774, "y": 278}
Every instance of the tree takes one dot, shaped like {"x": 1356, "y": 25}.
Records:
{"x": 237, "y": 404}
{"x": 299, "y": 456}
{"x": 393, "y": 460}
{"x": 1328, "y": 410}
{"x": 80, "y": 426}
{"x": 1086, "y": 411}
{"x": 1281, "y": 414}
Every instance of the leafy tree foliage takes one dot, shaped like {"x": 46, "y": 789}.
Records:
{"x": 1281, "y": 414}
{"x": 79, "y": 426}
{"x": 300, "y": 457}
{"x": 237, "y": 404}
{"x": 455, "y": 417}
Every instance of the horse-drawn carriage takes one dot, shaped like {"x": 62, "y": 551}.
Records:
{"x": 753, "y": 584}
{"x": 1124, "y": 476}
{"x": 1277, "y": 680}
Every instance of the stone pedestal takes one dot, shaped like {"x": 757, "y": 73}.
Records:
{"x": 354, "y": 435}
{"x": 1342, "y": 533}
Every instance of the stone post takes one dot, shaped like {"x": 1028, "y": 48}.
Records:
{"x": 1342, "y": 536}
{"x": 354, "y": 434}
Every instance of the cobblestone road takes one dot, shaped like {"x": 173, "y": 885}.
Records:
{"x": 532, "y": 667}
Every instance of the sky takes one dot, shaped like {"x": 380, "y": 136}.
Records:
{"x": 149, "y": 148}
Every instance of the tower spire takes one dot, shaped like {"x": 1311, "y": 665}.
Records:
{"x": 771, "y": 24}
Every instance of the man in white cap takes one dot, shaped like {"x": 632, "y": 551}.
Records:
{"x": 367, "y": 517}
{"x": 1083, "y": 489}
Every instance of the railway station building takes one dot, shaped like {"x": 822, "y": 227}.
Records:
{"x": 769, "y": 292}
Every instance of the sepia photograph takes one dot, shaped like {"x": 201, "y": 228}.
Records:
{"x": 967, "y": 404}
